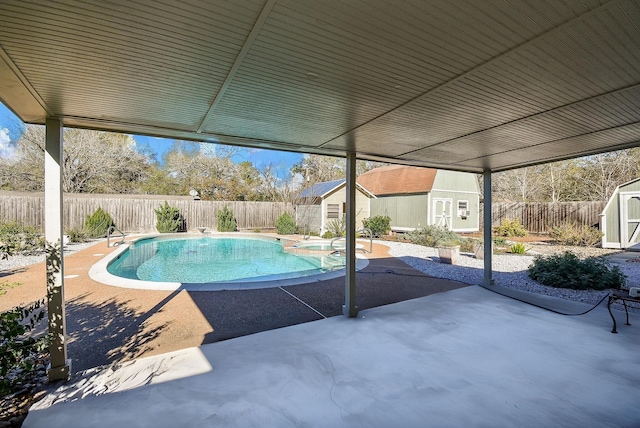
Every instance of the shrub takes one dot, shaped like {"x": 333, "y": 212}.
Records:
{"x": 499, "y": 242}
{"x": 518, "y": 248}
{"x": 569, "y": 271}
{"x": 578, "y": 235}
{"x": 97, "y": 224}
{"x": 510, "y": 228}
{"x": 338, "y": 226}
{"x": 168, "y": 218}
{"x": 15, "y": 237}
{"x": 433, "y": 236}
{"x": 18, "y": 352}
{"x": 468, "y": 245}
{"x": 285, "y": 225}
{"x": 77, "y": 235}
{"x": 379, "y": 225}
{"x": 328, "y": 235}
{"x": 226, "y": 220}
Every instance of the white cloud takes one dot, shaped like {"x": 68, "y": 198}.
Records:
{"x": 6, "y": 148}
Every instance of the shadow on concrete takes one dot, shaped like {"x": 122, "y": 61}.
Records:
{"x": 101, "y": 333}
{"x": 234, "y": 313}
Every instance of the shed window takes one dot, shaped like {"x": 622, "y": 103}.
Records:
{"x": 333, "y": 210}
{"x": 463, "y": 209}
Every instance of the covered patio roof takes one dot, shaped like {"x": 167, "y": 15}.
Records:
{"x": 465, "y": 85}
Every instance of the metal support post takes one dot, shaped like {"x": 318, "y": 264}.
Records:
{"x": 487, "y": 222}
{"x": 350, "y": 309}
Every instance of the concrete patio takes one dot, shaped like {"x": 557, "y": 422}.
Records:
{"x": 462, "y": 358}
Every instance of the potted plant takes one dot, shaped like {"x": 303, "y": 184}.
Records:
{"x": 448, "y": 249}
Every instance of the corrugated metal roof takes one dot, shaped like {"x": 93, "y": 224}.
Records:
{"x": 319, "y": 190}
{"x": 398, "y": 180}
{"x": 457, "y": 85}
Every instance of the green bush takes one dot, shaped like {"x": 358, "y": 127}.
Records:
{"x": 510, "y": 228}
{"x": 19, "y": 352}
{"x": 338, "y": 226}
{"x": 433, "y": 236}
{"x": 328, "y": 235}
{"x": 379, "y": 225}
{"x": 168, "y": 219}
{"x": 578, "y": 235}
{"x": 499, "y": 241}
{"x": 77, "y": 235}
{"x": 97, "y": 224}
{"x": 285, "y": 225}
{"x": 518, "y": 248}
{"x": 468, "y": 245}
{"x": 226, "y": 220}
{"x": 15, "y": 237}
{"x": 569, "y": 271}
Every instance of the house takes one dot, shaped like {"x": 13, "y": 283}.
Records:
{"x": 620, "y": 218}
{"x": 325, "y": 203}
{"x": 416, "y": 197}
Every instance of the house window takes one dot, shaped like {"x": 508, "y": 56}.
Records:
{"x": 463, "y": 209}
{"x": 333, "y": 210}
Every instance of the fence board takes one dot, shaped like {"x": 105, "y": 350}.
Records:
{"x": 136, "y": 214}
{"x": 542, "y": 217}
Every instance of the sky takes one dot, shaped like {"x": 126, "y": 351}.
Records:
{"x": 11, "y": 126}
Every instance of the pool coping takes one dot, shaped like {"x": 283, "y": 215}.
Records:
{"x": 98, "y": 271}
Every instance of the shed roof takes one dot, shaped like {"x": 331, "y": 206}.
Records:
{"x": 398, "y": 180}
{"x": 320, "y": 190}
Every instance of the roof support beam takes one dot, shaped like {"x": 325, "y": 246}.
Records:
{"x": 264, "y": 14}
{"x": 59, "y": 367}
{"x": 349, "y": 309}
{"x": 488, "y": 240}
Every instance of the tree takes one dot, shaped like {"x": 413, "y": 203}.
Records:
{"x": 93, "y": 162}
{"x": 210, "y": 171}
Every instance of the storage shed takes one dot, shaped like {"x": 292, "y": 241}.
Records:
{"x": 326, "y": 202}
{"x": 620, "y": 219}
{"x": 416, "y": 197}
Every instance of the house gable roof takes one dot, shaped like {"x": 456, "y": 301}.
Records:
{"x": 398, "y": 180}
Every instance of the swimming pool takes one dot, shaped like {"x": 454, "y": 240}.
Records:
{"x": 212, "y": 262}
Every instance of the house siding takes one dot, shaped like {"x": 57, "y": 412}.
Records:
{"x": 406, "y": 212}
{"x": 459, "y": 224}
{"x": 340, "y": 197}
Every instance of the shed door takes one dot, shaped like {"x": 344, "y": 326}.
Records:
{"x": 442, "y": 209}
{"x": 630, "y": 220}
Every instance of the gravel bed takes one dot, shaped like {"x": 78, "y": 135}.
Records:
{"x": 508, "y": 271}
{"x": 20, "y": 260}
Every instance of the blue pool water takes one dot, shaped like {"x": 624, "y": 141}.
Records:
{"x": 207, "y": 259}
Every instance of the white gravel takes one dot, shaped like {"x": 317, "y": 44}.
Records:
{"x": 508, "y": 271}
{"x": 19, "y": 260}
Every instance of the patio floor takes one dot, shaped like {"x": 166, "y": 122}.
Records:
{"x": 462, "y": 358}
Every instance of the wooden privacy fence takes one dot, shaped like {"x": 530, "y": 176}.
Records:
{"x": 136, "y": 213}
{"x": 542, "y": 217}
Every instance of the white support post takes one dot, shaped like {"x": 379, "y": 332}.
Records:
{"x": 488, "y": 239}
{"x": 59, "y": 367}
{"x": 350, "y": 309}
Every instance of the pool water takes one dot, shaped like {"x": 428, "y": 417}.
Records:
{"x": 207, "y": 259}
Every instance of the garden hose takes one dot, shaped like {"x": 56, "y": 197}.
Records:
{"x": 391, "y": 271}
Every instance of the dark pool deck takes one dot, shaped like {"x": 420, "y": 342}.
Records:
{"x": 462, "y": 358}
